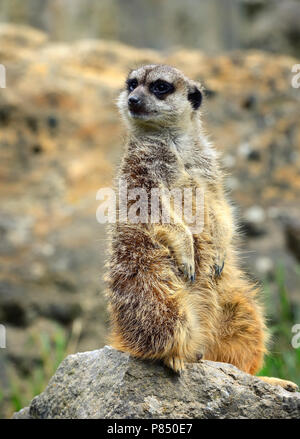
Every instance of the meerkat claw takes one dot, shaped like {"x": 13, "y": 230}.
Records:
{"x": 199, "y": 357}
{"x": 219, "y": 269}
{"x": 188, "y": 271}
{"x": 175, "y": 363}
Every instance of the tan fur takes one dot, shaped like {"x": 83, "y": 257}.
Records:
{"x": 157, "y": 312}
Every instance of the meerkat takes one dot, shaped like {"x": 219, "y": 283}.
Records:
{"x": 174, "y": 294}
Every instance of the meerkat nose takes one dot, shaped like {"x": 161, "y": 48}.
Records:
{"x": 134, "y": 101}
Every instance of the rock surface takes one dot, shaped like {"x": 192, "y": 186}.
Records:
{"x": 106, "y": 383}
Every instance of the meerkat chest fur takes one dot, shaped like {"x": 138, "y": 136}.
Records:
{"x": 169, "y": 160}
{"x": 150, "y": 162}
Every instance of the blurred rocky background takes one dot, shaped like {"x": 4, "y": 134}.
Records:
{"x": 210, "y": 25}
{"x": 61, "y": 138}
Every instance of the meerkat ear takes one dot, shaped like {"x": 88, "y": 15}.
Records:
{"x": 195, "y": 97}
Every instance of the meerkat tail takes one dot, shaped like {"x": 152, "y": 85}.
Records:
{"x": 287, "y": 385}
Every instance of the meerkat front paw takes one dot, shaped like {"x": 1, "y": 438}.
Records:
{"x": 175, "y": 363}
{"x": 219, "y": 264}
{"x": 218, "y": 269}
{"x": 188, "y": 270}
{"x": 185, "y": 262}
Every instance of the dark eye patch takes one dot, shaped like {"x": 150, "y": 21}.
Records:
{"x": 161, "y": 88}
{"x": 131, "y": 84}
{"x": 195, "y": 97}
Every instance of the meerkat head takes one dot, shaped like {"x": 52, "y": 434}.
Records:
{"x": 159, "y": 96}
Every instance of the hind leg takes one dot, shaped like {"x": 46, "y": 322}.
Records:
{"x": 243, "y": 334}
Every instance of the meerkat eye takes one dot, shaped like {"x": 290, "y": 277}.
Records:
{"x": 132, "y": 84}
{"x": 160, "y": 87}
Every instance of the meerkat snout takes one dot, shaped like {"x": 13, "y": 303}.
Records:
{"x": 134, "y": 100}
{"x": 135, "y": 103}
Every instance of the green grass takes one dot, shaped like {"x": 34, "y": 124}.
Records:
{"x": 51, "y": 350}
{"x": 283, "y": 360}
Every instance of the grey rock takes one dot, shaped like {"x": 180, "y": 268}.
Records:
{"x": 107, "y": 383}
{"x": 22, "y": 414}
